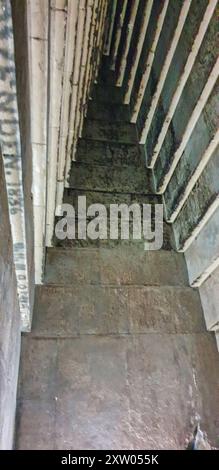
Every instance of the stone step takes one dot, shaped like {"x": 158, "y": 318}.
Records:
{"x": 107, "y": 198}
{"x": 112, "y": 244}
{"x": 108, "y": 112}
{"x": 106, "y": 77}
{"x": 126, "y": 266}
{"x": 69, "y": 311}
{"x": 104, "y": 198}
{"x": 110, "y": 179}
{"x": 107, "y": 94}
{"x": 95, "y": 151}
{"x": 131, "y": 239}
{"x": 106, "y": 131}
{"x": 116, "y": 391}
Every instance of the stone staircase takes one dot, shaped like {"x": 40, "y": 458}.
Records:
{"x": 119, "y": 356}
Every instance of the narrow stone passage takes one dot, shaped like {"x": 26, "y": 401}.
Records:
{"x": 119, "y": 356}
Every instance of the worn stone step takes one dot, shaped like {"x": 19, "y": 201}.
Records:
{"x": 95, "y": 151}
{"x": 107, "y": 94}
{"x": 108, "y": 112}
{"x": 85, "y": 309}
{"x": 106, "y": 131}
{"x": 122, "y": 179}
{"x": 111, "y": 243}
{"x": 121, "y": 266}
{"x": 129, "y": 212}
{"x": 107, "y": 198}
{"x": 106, "y": 76}
{"x": 106, "y": 392}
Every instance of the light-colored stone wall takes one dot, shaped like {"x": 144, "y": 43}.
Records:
{"x": 23, "y": 97}
{"x": 209, "y": 293}
{"x": 9, "y": 324}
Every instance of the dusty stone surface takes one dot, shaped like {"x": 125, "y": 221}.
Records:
{"x": 203, "y": 195}
{"x": 117, "y": 392}
{"x": 110, "y": 243}
{"x": 109, "y": 131}
{"x": 183, "y": 48}
{"x": 9, "y": 325}
{"x": 107, "y": 112}
{"x": 122, "y": 266}
{"x": 94, "y": 151}
{"x": 194, "y": 151}
{"x": 207, "y": 123}
{"x": 113, "y": 179}
{"x": 98, "y": 309}
{"x": 114, "y": 94}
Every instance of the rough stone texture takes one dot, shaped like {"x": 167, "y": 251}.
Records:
{"x": 93, "y": 309}
{"x": 183, "y": 48}
{"x": 9, "y": 325}
{"x": 148, "y": 39}
{"x": 92, "y": 151}
{"x": 113, "y": 179}
{"x": 109, "y": 243}
{"x": 120, "y": 266}
{"x": 113, "y": 96}
{"x": 116, "y": 113}
{"x": 108, "y": 131}
{"x": 204, "y": 63}
{"x": 195, "y": 149}
{"x": 109, "y": 168}
{"x": 204, "y": 249}
{"x": 209, "y": 293}
{"x": 159, "y": 57}
{"x": 107, "y": 198}
{"x": 203, "y": 195}
{"x": 132, "y": 239}
{"x": 117, "y": 392}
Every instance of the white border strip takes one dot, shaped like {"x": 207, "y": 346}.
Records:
{"x": 68, "y": 70}
{"x": 57, "y": 19}
{"x": 75, "y": 83}
{"x": 37, "y": 27}
{"x": 100, "y": 37}
{"x": 84, "y": 64}
{"x": 88, "y": 65}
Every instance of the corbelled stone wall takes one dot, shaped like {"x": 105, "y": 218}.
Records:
{"x": 192, "y": 210}
{"x": 9, "y": 324}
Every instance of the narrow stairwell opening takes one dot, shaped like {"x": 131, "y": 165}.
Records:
{"x": 119, "y": 356}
